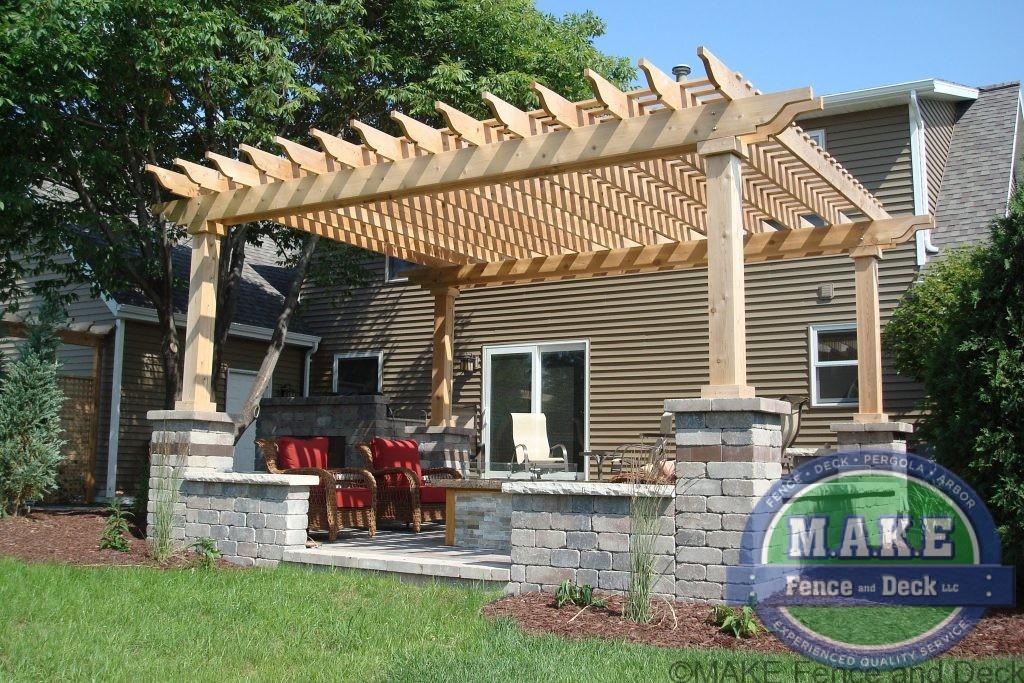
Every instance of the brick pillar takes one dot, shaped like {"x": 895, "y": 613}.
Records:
{"x": 872, "y": 436}
{"x": 200, "y": 441}
{"x": 728, "y": 452}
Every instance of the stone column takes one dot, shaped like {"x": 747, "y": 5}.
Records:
{"x": 728, "y": 453}
{"x": 872, "y": 436}
{"x": 200, "y": 441}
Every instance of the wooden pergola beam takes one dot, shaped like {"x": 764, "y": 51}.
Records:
{"x": 733, "y": 86}
{"x": 613, "y": 142}
{"x": 767, "y": 246}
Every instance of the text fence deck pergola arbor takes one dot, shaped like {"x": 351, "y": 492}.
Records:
{"x": 706, "y": 172}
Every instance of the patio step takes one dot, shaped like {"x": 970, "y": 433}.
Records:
{"x": 412, "y": 557}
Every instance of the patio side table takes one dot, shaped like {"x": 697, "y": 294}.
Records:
{"x": 464, "y": 487}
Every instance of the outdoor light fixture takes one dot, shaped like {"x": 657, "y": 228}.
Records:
{"x": 468, "y": 362}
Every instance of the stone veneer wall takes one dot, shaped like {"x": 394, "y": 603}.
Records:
{"x": 254, "y": 518}
{"x": 580, "y": 532}
{"x": 484, "y": 520}
{"x": 357, "y": 419}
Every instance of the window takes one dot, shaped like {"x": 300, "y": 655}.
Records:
{"x": 818, "y": 135}
{"x": 397, "y": 270}
{"x": 833, "y": 364}
{"x": 358, "y": 373}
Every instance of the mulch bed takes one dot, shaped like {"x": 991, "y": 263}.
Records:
{"x": 1000, "y": 633}
{"x": 72, "y": 537}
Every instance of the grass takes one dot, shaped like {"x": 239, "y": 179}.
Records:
{"x": 72, "y": 623}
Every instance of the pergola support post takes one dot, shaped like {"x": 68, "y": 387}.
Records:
{"x": 726, "y": 300}
{"x": 198, "y": 373}
{"x": 443, "y": 357}
{"x": 869, "y": 335}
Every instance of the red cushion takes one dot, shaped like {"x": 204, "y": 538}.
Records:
{"x": 430, "y": 495}
{"x": 397, "y": 453}
{"x": 353, "y": 498}
{"x": 293, "y": 453}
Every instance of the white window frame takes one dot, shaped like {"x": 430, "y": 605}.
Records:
{"x": 818, "y": 135}
{"x": 379, "y": 355}
{"x": 387, "y": 271}
{"x": 534, "y": 349}
{"x": 812, "y": 338}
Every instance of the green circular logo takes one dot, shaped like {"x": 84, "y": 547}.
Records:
{"x": 871, "y": 560}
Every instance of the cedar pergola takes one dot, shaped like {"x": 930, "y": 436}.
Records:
{"x": 681, "y": 174}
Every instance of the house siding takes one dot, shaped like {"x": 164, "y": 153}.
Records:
{"x": 939, "y": 117}
{"x": 647, "y": 333}
{"x": 142, "y": 390}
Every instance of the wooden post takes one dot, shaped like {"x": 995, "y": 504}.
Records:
{"x": 869, "y": 335}
{"x": 197, "y": 377}
{"x": 726, "y": 300}
{"x": 441, "y": 374}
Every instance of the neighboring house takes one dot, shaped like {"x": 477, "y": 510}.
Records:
{"x": 130, "y": 374}
{"x": 599, "y": 356}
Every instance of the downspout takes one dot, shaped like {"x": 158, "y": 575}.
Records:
{"x": 307, "y": 364}
{"x": 919, "y": 166}
{"x": 115, "y": 408}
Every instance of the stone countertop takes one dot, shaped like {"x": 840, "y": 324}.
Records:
{"x": 469, "y": 484}
{"x": 252, "y": 478}
{"x": 580, "y": 488}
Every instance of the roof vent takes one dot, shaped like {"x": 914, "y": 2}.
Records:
{"x": 681, "y": 71}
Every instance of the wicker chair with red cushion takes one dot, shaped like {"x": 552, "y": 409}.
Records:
{"x": 353, "y": 502}
{"x": 404, "y": 493}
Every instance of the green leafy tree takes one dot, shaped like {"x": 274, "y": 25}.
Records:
{"x": 960, "y": 331}
{"x": 30, "y": 402}
{"x": 93, "y": 90}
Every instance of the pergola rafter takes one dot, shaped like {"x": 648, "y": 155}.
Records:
{"x": 680, "y": 174}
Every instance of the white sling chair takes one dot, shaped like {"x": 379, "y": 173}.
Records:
{"x": 530, "y": 436}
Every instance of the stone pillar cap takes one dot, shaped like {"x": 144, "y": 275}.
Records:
{"x": 733, "y": 405}
{"x": 902, "y": 427}
{"x": 190, "y": 415}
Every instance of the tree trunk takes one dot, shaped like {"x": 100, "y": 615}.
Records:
{"x": 266, "y": 371}
{"x": 229, "y": 276}
{"x": 169, "y": 352}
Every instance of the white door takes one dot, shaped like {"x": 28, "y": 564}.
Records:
{"x": 239, "y": 385}
{"x": 550, "y": 378}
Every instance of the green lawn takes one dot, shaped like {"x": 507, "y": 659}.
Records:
{"x": 67, "y": 623}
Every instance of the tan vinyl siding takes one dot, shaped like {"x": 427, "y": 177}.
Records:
{"x": 647, "y": 333}
{"x": 939, "y": 118}
{"x": 142, "y": 389}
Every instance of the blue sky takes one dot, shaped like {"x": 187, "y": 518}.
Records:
{"x": 831, "y": 46}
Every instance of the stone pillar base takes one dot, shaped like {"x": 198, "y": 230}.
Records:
{"x": 197, "y": 441}
{"x": 442, "y": 446}
{"x": 872, "y": 436}
{"x": 728, "y": 453}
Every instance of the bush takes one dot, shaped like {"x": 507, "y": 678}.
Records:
{"x": 30, "y": 401}
{"x": 960, "y": 331}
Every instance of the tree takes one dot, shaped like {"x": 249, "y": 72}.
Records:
{"x": 30, "y": 402}
{"x": 93, "y": 92}
{"x": 960, "y": 331}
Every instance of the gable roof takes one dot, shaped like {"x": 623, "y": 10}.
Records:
{"x": 979, "y": 168}
{"x": 261, "y": 292}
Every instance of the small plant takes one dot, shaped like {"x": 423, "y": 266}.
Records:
{"x": 740, "y": 622}
{"x": 206, "y": 549}
{"x": 116, "y": 529}
{"x": 718, "y": 615}
{"x": 165, "y": 496}
{"x": 581, "y": 596}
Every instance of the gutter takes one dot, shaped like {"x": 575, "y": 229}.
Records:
{"x": 145, "y": 314}
{"x": 919, "y": 172}
{"x": 891, "y": 95}
{"x": 306, "y": 365}
{"x": 114, "y": 433}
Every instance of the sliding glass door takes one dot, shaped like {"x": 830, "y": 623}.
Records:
{"x": 535, "y": 378}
